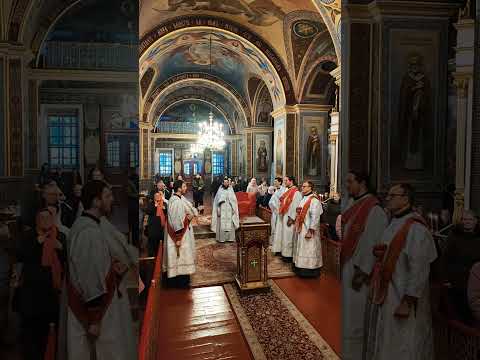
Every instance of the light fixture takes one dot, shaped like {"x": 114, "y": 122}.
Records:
{"x": 211, "y": 135}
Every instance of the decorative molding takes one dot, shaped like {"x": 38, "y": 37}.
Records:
{"x": 15, "y": 118}
{"x": 83, "y": 75}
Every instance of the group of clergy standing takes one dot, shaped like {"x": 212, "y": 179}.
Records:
{"x": 295, "y": 225}
{"x": 385, "y": 260}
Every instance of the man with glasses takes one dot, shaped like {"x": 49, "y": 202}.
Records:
{"x": 307, "y": 252}
{"x": 400, "y": 324}
{"x": 363, "y": 223}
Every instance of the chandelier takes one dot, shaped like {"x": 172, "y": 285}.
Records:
{"x": 211, "y": 135}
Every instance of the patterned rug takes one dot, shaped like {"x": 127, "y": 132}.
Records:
{"x": 217, "y": 263}
{"x": 202, "y": 220}
{"x": 275, "y": 329}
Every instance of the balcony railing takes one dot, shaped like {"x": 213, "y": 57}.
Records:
{"x": 89, "y": 56}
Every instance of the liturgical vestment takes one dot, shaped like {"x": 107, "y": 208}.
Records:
{"x": 90, "y": 274}
{"x": 308, "y": 252}
{"x": 373, "y": 222}
{"x": 225, "y": 215}
{"x": 274, "y": 204}
{"x": 179, "y": 260}
{"x": 289, "y": 201}
{"x": 406, "y": 338}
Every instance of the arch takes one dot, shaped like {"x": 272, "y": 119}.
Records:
{"x": 186, "y": 79}
{"x": 227, "y": 119}
{"x": 330, "y": 12}
{"x": 235, "y": 30}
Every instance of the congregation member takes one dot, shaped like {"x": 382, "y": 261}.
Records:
{"x": 473, "y": 294}
{"x": 64, "y": 216}
{"x": 263, "y": 188}
{"x": 461, "y": 253}
{"x": 307, "y": 254}
{"x": 252, "y": 186}
{"x": 179, "y": 246}
{"x": 362, "y": 224}
{"x": 287, "y": 211}
{"x": 42, "y": 256}
{"x": 157, "y": 217}
{"x": 400, "y": 284}
{"x": 276, "y": 225}
{"x": 96, "y": 320}
{"x": 198, "y": 187}
{"x": 160, "y": 187}
{"x": 225, "y": 214}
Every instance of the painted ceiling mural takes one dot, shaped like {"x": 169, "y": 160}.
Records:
{"x": 264, "y": 17}
{"x": 232, "y": 60}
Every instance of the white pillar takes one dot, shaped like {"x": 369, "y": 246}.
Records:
{"x": 333, "y": 140}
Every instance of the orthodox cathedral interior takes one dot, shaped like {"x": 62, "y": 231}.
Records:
{"x": 121, "y": 86}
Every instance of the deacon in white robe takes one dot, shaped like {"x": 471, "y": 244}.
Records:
{"x": 354, "y": 300}
{"x": 285, "y": 233}
{"x": 274, "y": 204}
{"x": 225, "y": 215}
{"x": 403, "y": 327}
{"x": 307, "y": 255}
{"x": 95, "y": 319}
{"x": 179, "y": 247}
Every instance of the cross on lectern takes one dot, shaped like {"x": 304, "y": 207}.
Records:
{"x": 253, "y": 263}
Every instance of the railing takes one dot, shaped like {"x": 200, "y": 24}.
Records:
{"x": 90, "y": 56}
{"x": 172, "y": 127}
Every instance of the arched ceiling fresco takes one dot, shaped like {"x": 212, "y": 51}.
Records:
{"x": 192, "y": 111}
{"x": 264, "y": 17}
{"x": 234, "y": 60}
{"x": 197, "y": 87}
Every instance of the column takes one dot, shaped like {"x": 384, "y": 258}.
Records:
{"x": 475, "y": 145}
{"x": 334, "y": 156}
{"x": 145, "y": 130}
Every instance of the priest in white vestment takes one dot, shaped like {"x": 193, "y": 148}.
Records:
{"x": 285, "y": 232}
{"x": 179, "y": 247}
{"x": 273, "y": 204}
{"x": 95, "y": 318}
{"x": 307, "y": 255}
{"x": 363, "y": 223}
{"x": 225, "y": 215}
{"x": 400, "y": 288}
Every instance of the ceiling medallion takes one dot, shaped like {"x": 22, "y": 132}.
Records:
{"x": 305, "y": 29}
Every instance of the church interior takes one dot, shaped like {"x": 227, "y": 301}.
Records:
{"x": 120, "y": 90}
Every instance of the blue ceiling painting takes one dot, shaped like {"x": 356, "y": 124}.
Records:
{"x": 192, "y": 112}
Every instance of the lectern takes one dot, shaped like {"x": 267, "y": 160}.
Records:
{"x": 252, "y": 246}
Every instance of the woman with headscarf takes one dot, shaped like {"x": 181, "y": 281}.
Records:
{"x": 42, "y": 255}
{"x": 252, "y": 186}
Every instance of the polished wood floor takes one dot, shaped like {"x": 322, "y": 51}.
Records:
{"x": 198, "y": 324}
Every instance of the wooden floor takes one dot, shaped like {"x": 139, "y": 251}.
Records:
{"x": 198, "y": 324}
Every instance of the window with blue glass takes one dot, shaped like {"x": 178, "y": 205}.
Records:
{"x": 63, "y": 141}
{"x": 113, "y": 152}
{"x": 166, "y": 164}
{"x": 218, "y": 162}
{"x": 133, "y": 154}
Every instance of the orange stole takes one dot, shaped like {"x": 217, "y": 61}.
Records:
{"x": 89, "y": 315}
{"x": 303, "y": 213}
{"x": 358, "y": 214}
{"x": 177, "y": 237}
{"x": 159, "y": 204}
{"x": 286, "y": 200}
{"x": 392, "y": 254}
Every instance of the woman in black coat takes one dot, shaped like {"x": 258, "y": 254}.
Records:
{"x": 156, "y": 223}
{"x": 42, "y": 253}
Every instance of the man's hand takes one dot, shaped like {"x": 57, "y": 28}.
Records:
{"x": 359, "y": 278}
{"x": 190, "y": 217}
{"x": 94, "y": 330}
{"x": 403, "y": 310}
{"x": 119, "y": 267}
{"x": 290, "y": 221}
{"x": 309, "y": 234}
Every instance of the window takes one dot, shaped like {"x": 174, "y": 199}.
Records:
{"x": 63, "y": 141}
{"x": 166, "y": 166}
{"x": 133, "y": 154}
{"x": 217, "y": 163}
{"x": 113, "y": 153}
{"x": 186, "y": 168}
